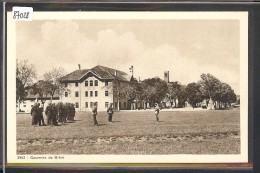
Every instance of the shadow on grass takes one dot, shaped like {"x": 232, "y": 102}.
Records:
{"x": 101, "y": 124}
{"x": 116, "y": 121}
{"x": 160, "y": 121}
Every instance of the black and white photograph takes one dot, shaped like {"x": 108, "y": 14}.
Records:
{"x": 142, "y": 87}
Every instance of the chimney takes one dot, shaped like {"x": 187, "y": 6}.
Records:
{"x": 79, "y": 66}
{"x": 115, "y": 72}
{"x": 166, "y": 76}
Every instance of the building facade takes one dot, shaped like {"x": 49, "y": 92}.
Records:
{"x": 87, "y": 86}
{"x": 27, "y": 104}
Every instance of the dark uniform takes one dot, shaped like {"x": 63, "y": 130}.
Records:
{"x": 41, "y": 119}
{"x": 94, "y": 114}
{"x": 34, "y": 114}
{"x": 73, "y": 113}
{"x": 110, "y": 113}
{"x": 54, "y": 114}
{"x": 48, "y": 113}
{"x": 157, "y": 110}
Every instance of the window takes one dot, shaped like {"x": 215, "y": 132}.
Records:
{"x": 86, "y": 93}
{"x": 77, "y": 104}
{"x": 76, "y": 84}
{"x": 66, "y": 84}
{"x": 24, "y": 105}
{"x": 96, "y": 82}
{"x": 106, "y": 93}
{"x": 96, "y": 93}
{"x": 106, "y": 83}
{"x": 91, "y": 104}
{"x": 76, "y": 94}
{"x": 91, "y": 93}
{"x": 91, "y": 83}
{"x": 86, "y": 83}
{"x": 66, "y": 94}
{"x": 86, "y": 105}
{"x": 106, "y": 104}
{"x": 124, "y": 104}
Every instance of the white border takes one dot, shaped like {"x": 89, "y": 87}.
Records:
{"x": 177, "y": 158}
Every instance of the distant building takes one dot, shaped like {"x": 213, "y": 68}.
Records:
{"x": 86, "y": 86}
{"x": 30, "y": 100}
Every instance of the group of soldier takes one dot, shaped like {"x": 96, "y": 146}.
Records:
{"x": 55, "y": 113}
{"x": 63, "y": 112}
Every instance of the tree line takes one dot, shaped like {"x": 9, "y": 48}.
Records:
{"x": 152, "y": 90}
{"x": 27, "y": 83}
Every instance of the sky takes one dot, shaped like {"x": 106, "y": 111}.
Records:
{"x": 185, "y": 48}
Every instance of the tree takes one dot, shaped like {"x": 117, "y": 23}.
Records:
{"x": 25, "y": 74}
{"x": 54, "y": 79}
{"x": 211, "y": 86}
{"x": 194, "y": 94}
{"x": 122, "y": 90}
{"x": 154, "y": 89}
{"x": 174, "y": 89}
{"x": 227, "y": 96}
{"x": 20, "y": 92}
{"x": 41, "y": 90}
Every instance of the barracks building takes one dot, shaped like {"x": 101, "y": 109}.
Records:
{"x": 84, "y": 87}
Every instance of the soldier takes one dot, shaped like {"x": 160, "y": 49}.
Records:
{"x": 41, "y": 119}
{"x": 94, "y": 114}
{"x": 157, "y": 110}
{"x": 54, "y": 114}
{"x": 63, "y": 114}
{"x": 73, "y": 110}
{"x": 48, "y": 113}
{"x": 110, "y": 112}
{"x": 67, "y": 111}
{"x": 59, "y": 109}
{"x": 34, "y": 114}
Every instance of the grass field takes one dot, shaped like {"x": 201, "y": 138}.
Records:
{"x": 135, "y": 132}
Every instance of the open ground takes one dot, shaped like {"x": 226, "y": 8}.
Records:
{"x": 135, "y": 132}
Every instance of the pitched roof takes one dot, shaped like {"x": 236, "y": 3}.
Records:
{"x": 101, "y": 72}
{"x": 30, "y": 95}
{"x": 75, "y": 75}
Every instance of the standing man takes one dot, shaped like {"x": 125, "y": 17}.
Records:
{"x": 157, "y": 110}
{"x": 94, "y": 114}
{"x": 54, "y": 114}
{"x": 41, "y": 119}
{"x": 48, "y": 113}
{"x": 110, "y": 112}
{"x": 34, "y": 114}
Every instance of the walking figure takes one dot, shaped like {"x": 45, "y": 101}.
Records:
{"x": 157, "y": 110}
{"x": 110, "y": 112}
{"x": 94, "y": 114}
